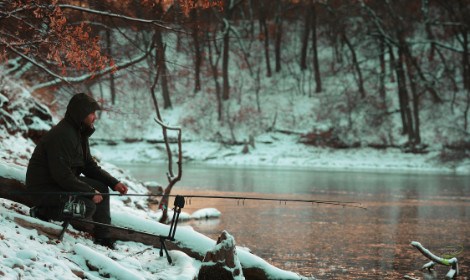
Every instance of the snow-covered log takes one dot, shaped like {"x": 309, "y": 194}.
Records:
{"x": 196, "y": 245}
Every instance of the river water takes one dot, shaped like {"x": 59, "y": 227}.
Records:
{"x": 332, "y": 242}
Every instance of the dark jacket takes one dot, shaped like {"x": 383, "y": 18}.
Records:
{"x": 63, "y": 153}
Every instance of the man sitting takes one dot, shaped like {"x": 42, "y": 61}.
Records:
{"x": 59, "y": 160}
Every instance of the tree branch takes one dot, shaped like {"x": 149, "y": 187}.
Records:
{"x": 123, "y": 17}
{"x": 452, "y": 262}
{"x": 103, "y": 72}
{"x": 377, "y": 24}
{"x": 13, "y": 49}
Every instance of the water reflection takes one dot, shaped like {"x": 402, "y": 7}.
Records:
{"x": 333, "y": 242}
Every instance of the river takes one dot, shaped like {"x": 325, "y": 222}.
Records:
{"x": 332, "y": 242}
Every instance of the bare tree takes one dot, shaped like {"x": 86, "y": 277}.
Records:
{"x": 195, "y": 35}
{"x": 316, "y": 63}
{"x": 263, "y": 14}
{"x": 339, "y": 21}
{"x": 305, "y": 36}
{"x": 214, "y": 57}
{"x": 172, "y": 178}
{"x": 161, "y": 64}
{"x": 278, "y": 19}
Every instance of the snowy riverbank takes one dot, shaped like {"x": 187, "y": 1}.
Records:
{"x": 282, "y": 151}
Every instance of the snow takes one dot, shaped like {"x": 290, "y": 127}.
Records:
{"x": 206, "y": 213}
{"x": 105, "y": 265}
{"x": 12, "y": 171}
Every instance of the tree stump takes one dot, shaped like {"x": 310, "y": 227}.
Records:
{"x": 222, "y": 261}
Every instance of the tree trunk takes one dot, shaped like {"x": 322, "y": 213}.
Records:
{"x": 465, "y": 113}
{"x": 197, "y": 49}
{"x": 391, "y": 64}
{"x": 429, "y": 33}
{"x": 465, "y": 61}
{"x": 215, "y": 76}
{"x": 225, "y": 54}
{"x": 264, "y": 30}
{"x": 278, "y": 39}
{"x": 382, "y": 72}
{"x": 360, "y": 82}
{"x": 109, "y": 50}
{"x": 305, "y": 35}
{"x": 251, "y": 7}
{"x": 414, "y": 99}
{"x": 225, "y": 76}
{"x": 161, "y": 64}
{"x": 402, "y": 95}
{"x": 316, "y": 64}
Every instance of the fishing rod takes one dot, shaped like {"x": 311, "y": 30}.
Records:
{"x": 352, "y": 204}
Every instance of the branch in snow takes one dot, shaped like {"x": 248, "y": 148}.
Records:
{"x": 452, "y": 262}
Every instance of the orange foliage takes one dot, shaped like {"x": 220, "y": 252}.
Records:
{"x": 187, "y": 6}
{"x": 75, "y": 45}
{"x": 43, "y": 33}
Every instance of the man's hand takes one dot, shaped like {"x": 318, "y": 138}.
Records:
{"x": 97, "y": 198}
{"x": 121, "y": 188}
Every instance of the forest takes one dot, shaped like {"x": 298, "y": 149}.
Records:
{"x": 338, "y": 73}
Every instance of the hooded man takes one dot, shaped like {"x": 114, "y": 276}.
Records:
{"x": 61, "y": 156}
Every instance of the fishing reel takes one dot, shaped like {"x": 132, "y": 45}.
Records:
{"x": 74, "y": 209}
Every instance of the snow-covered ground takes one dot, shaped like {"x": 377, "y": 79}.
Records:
{"x": 27, "y": 254}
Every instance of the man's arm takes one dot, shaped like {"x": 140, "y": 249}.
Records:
{"x": 94, "y": 171}
{"x": 59, "y": 162}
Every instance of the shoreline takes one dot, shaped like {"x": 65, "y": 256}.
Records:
{"x": 286, "y": 156}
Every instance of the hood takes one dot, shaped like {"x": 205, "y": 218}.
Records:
{"x": 80, "y": 106}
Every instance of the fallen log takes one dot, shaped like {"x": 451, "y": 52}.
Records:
{"x": 48, "y": 229}
{"x": 14, "y": 189}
